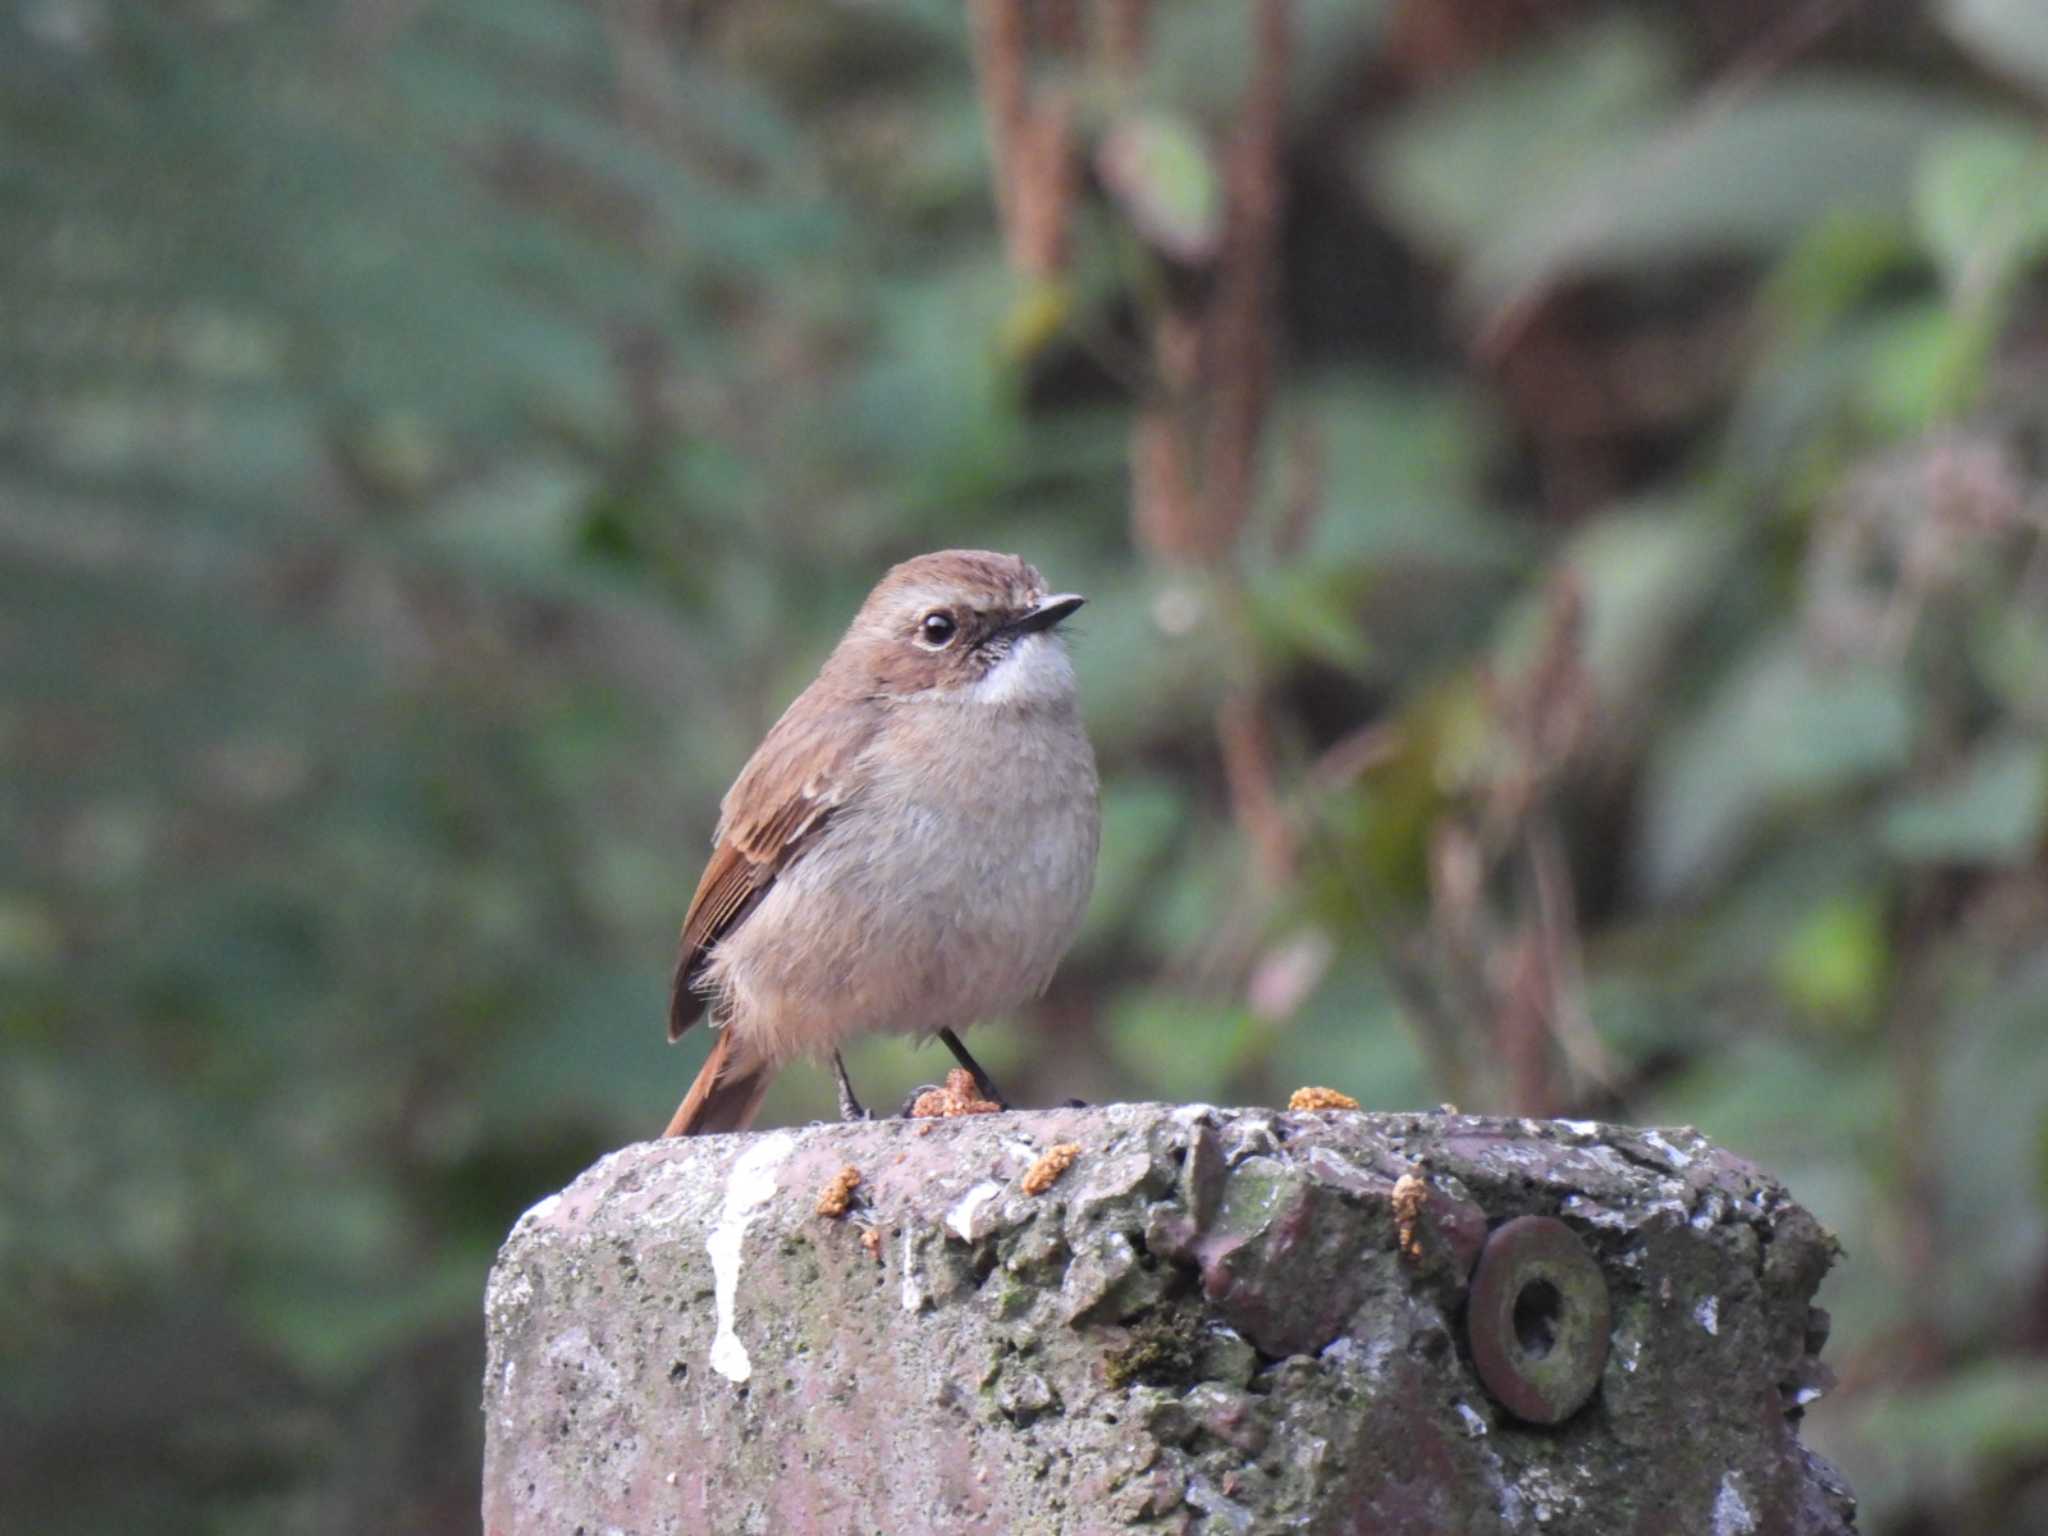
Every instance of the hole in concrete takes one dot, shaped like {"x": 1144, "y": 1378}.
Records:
{"x": 1537, "y": 1311}
{"x": 984, "y": 1263}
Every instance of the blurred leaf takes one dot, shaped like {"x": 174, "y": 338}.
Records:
{"x": 1199, "y": 57}
{"x": 1779, "y": 725}
{"x": 2009, "y": 36}
{"x": 1399, "y": 465}
{"x": 1990, "y": 812}
{"x": 1783, "y": 881}
{"x": 1041, "y": 312}
{"x": 1742, "y": 183}
{"x": 1837, "y": 725}
{"x": 1582, "y": 191}
{"x": 1305, "y": 613}
{"x": 934, "y": 406}
{"x": 2009, "y": 644}
{"x": 1461, "y": 166}
{"x": 1836, "y": 965}
{"x": 1981, "y": 205}
{"x": 1158, "y": 168}
{"x": 1747, "y": 182}
{"x": 1440, "y": 735}
{"x": 1834, "y": 266}
{"x": 1926, "y": 362}
{"x": 1820, "y": 726}
{"x": 1646, "y": 571}
{"x": 1980, "y": 200}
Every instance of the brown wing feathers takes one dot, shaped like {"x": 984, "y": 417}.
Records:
{"x": 731, "y": 885}
{"x": 786, "y": 792}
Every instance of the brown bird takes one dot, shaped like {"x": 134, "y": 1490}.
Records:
{"x": 908, "y": 850}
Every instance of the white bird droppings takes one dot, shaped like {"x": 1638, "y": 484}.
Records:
{"x": 960, "y": 1219}
{"x": 1732, "y": 1516}
{"x": 749, "y": 1186}
{"x": 915, "y": 1297}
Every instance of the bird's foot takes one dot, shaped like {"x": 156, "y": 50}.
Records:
{"x": 983, "y": 1084}
{"x": 909, "y": 1108}
{"x": 849, "y": 1106}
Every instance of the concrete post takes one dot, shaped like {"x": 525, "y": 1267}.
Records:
{"x": 1162, "y": 1319}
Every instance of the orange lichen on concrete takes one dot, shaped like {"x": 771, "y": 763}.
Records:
{"x": 1410, "y": 1196}
{"x": 1053, "y": 1162}
{"x": 1320, "y": 1098}
{"x": 958, "y": 1097}
{"x": 836, "y": 1199}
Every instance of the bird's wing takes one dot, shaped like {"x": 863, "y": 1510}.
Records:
{"x": 800, "y": 775}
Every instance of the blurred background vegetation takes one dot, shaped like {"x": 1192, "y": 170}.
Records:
{"x": 1560, "y": 487}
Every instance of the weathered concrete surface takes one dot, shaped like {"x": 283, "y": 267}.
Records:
{"x": 1207, "y": 1324}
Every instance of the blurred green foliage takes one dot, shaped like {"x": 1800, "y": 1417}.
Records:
{"x": 435, "y": 440}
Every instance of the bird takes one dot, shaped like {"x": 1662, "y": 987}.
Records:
{"x": 909, "y": 849}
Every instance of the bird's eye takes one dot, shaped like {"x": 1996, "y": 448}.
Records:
{"x": 937, "y": 628}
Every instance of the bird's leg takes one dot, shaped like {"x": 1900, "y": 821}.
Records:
{"x": 987, "y": 1089}
{"x": 849, "y": 1106}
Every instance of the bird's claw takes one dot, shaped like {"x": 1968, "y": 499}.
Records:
{"x": 849, "y": 1106}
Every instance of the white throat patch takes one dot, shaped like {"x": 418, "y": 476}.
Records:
{"x": 1036, "y": 671}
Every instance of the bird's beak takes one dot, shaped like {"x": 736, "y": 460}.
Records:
{"x": 1048, "y": 613}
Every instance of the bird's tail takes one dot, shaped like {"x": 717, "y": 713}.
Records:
{"x": 725, "y": 1095}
